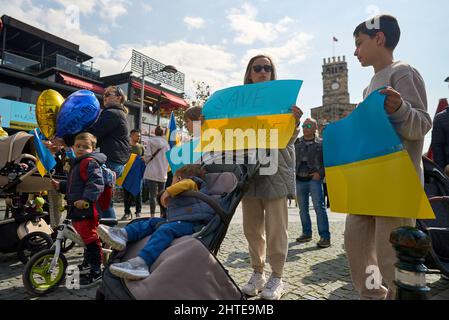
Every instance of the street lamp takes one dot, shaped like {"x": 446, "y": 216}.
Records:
{"x": 167, "y": 68}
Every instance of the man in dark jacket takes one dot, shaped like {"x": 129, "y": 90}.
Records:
{"x": 309, "y": 181}
{"x": 82, "y": 196}
{"x": 440, "y": 139}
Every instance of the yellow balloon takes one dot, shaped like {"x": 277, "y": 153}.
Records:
{"x": 47, "y": 107}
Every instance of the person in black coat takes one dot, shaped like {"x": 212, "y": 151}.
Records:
{"x": 440, "y": 139}
{"x": 111, "y": 130}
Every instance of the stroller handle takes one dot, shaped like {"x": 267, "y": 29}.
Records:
{"x": 25, "y": 156}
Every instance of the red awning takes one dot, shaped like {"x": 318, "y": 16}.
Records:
{"x": 169, "y": 101}
{"x": 175, "y": 101}
{"x": 149, "y": 89}
{"x": 81, "y": 83}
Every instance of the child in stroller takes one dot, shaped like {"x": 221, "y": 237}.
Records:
{"x": 184, "y": 217}
{"x": 189, "y": 268}
{"x": 24, "y": 227}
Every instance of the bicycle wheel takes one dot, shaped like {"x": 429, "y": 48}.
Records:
{"x": 33, "y": 243}
{"x": 36, "y": 276}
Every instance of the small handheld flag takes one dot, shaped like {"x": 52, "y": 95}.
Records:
{"x": 45, "y": 162}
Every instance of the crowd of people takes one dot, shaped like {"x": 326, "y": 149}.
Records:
{"x": 300, "y": 175}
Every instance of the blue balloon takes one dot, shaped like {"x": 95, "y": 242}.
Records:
{"x": 78, "y": 112}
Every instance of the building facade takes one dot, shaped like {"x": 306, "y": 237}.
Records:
{"x": 336, "y": 103}
{"x": 32, "y": 60}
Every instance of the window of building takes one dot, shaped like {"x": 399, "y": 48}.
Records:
{"x": 10, "y": 92}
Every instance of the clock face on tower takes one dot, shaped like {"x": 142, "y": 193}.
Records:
{"x": 335, "y": 85}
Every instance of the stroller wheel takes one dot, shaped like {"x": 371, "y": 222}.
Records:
{"x": 36, "y": 276}
{"x": 33, "y": 243}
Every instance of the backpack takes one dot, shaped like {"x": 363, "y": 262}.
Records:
{"x": 109, "y": 178}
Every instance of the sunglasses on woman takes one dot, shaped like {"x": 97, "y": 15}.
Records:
{"x": 108, "y": 94}
{"x": 307, "y": 126}
{"x": 266, "y": 68}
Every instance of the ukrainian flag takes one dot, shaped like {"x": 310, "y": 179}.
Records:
{"x": 172, "y": 135}
{"x": 368, "y": 171}
{"x": 131, "y": 178}
{"x": 250, "y": 116}
{"x": 45, "y": 160}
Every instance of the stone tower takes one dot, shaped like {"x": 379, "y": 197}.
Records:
{"x": 336, "y": 103}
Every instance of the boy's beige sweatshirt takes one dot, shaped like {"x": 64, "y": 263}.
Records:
{"x": 411, "y": 120}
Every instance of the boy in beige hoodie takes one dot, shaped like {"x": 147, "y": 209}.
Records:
{"x": 370, "y": 255}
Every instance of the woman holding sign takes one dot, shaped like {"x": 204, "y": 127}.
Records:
{"x": 265, "y": 204}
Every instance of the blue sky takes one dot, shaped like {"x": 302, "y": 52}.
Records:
{"x": 212, "y": 41}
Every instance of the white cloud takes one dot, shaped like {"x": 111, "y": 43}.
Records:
{"x": 291, "y": 52}
{"x": 249, "y": 30}
{"x": 112, "y": 9}
{"x": 84, "y": 6}
{"x": 147, "y": 8}
{"x": 108, "y": 10}
{"x": 194, "y": 22}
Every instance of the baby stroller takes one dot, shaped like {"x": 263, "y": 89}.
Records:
{"x": 24, "y": 228}
{"x": 436, "y": 186}
{"x": 189, "y": 269}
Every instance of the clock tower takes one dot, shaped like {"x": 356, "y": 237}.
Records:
{"x": 336, "y": 103}
{"x": 335, "y": 81}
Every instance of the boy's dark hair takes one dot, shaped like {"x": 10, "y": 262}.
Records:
{"x": 159, "y": 131}
{"x": 193, "y": 113}
{"x": 381, "y": 23}
{"x": 135, "y": 131}
{"x": 86, "y": 136}
{"x": 191, "y": 170}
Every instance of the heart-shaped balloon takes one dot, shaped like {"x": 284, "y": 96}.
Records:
{"x": 78, "y": 112}
{"x": 47, "y": 107}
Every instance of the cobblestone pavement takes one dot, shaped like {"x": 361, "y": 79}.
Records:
{"x": 310, "y": 273}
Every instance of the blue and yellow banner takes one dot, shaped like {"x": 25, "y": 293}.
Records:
{"x": 239, "y": 118}
{"x": 250, "y": 116}
{"x": 172, "y": 135}
{"x": 45, "y": 160}
{"x": 368, "y": 171}
{"x": 131, "y": 178}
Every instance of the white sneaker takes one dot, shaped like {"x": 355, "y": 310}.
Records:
{"x": 274, "y": 289}
{"x": 115, "y": 237}
{"x": 133, "y": 269}
{"x": 255, "y": 284}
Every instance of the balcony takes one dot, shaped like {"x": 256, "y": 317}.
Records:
{"x": 76, "y": 68}
{"x": 61, "y": 62}
{"x": 20, "y": 63}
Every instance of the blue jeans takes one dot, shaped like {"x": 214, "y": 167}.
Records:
{"x": 118, "y": 169}
{"x": 315, "y": 189}
{"x": 160, "y": 239}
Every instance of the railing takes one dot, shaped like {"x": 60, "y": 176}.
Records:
{"x": 21, "y": 63}
{"x": 75, "y": 67}
{"x": 63, "y": 63}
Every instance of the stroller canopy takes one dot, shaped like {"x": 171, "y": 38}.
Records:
{"x": 11, "y": 147}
